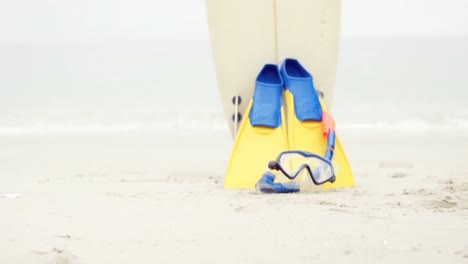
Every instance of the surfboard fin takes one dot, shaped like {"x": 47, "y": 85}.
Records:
{"x": 305, "y": 127}
{"x": 262, "y": 133}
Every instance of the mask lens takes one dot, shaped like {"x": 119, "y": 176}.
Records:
{"x": 323, "y": 171}
{"x": 291, "y": 163}
{"x": 296, "y": 163}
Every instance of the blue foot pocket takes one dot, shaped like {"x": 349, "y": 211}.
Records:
{"x": 266, "y": 184}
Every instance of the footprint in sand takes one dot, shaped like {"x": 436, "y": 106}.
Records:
{"x": 340, "y": 211}
{"x": 463, "y": 253}
{"x": 419, "y": 192}
{"x": 399, "y": 175}
{"x": 67, "y": 237}
{"x": 58, "y": 256}
{"x": 441, "y": 204}
{"x": 63, "y": 259}
{"x": 239, "y": 209}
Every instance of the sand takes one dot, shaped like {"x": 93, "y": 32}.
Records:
{"x": 158, "y": 198}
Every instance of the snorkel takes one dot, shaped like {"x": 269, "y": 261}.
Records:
{"x": 293, "y": 163}
{"x": 328, "y": 125}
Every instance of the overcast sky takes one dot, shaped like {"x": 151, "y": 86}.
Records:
{"x": 57, "y": 21}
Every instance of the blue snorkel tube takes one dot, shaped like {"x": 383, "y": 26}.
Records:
{"x": 330, "y": 145}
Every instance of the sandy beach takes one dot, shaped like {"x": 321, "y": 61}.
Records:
{"x": 158, "y": 198}
{"x": 114, "y": 141}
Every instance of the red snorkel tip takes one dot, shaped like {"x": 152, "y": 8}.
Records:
{"x": 328, "y": 124}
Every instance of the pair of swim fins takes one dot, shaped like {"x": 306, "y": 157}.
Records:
{"x": 270, "y": 128}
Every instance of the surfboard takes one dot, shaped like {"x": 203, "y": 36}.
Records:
{"x": 247, "y": 34}
{"x": 309, "y": 31}
{"x": 242, "y": 36}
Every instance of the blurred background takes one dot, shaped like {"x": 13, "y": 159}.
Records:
{"x": 120, "y": 66}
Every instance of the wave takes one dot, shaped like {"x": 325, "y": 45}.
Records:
{"x": 115, "y": 123}
{"x": 104, "y": 120}
{"x": 192, "y": 123}
{"x": 408, "y": 126}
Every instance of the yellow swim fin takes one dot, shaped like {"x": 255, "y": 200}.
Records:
{"x": 304, "y": 115}
{"x": 262, "y": 134}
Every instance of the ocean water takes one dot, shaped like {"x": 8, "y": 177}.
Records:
{"x": 404, "y": 85}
